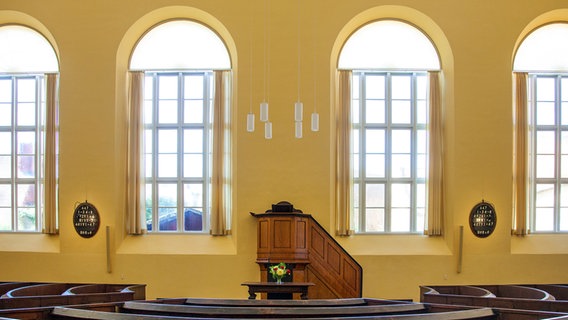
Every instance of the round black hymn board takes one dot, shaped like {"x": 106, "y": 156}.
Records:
{"x": 86, "y": 220}
{"x": 483, "y": 219}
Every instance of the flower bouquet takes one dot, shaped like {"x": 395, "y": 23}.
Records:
{"x": 278, "y": 271}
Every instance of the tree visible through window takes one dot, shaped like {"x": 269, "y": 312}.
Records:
{"x": 178, "y": 129}
{"x": 26, "y": 57}
{"x": 179, "y": 59}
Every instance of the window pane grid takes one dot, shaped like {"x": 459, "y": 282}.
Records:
{"x": 389, "y": 152}
{"x": 22, "y": 104}
{"x": 177, "y": 150}
{"x": 548, "y": 156}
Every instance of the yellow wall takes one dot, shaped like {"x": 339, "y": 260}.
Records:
{"x": 476, "y": 40}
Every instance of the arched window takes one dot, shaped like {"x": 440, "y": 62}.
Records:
{"x": 186, "y": 68}
{"x": 388, "y": 62}
{"x": 28, "y": 131}
{"x": 541, "y": 72}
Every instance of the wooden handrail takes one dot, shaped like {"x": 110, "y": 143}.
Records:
{"x": 348, "y": 274}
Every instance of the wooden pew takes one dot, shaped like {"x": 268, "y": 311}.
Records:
{"x": 8, "y": 286}
{"x": 518, "y": 292}
{"x": 503, "y": 314}
{"x": 275, "y": 303}
{"x": 458, "y": 290}
{"x": 137, "y": 291}
{"x": 39, "y": 289}
{"x": 60, "y": 313}
{"x": 44, "y": 313}
{"x": 506, "y": 297}
{"x": 60, "y": 294}
{"x": 145, "y": 307}
{"x": 560, "y": 292}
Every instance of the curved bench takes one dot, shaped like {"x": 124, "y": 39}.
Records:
{"x": 482, "y": 313}
{"x": 204, "y": 311}
{"x": 61, "y": 294}
{"x": 524, "y": 297}
{"x": 8, "y": 286}
{"x": 138, "y": 291}
{"x": 459, "y": 290}
{"x": 560, "y": 292}
{"x": 42, "y": 289}
{"x": 330, "y": 303}
{"x": 519, "y": 292}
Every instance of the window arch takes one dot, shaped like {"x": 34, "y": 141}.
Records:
{"x": 180, "y": 44}
{"x": 28, "y": 131}
{"x": 25, "y": 50}
{"x": 544, "y": 50}
{"x": 388, "y": 71}
{"x": 184, "y": 69}
{"x": 389, "y": 45}
{"x": 541, "y": 135}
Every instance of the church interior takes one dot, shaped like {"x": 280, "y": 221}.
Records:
{"x": 476, "y": 42}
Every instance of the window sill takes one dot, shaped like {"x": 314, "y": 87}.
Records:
{"x": 176, "y": 243}
{"x": 29, "y": 242}
{"x": 394, "y": 244}
{"x": 540, "y": 244}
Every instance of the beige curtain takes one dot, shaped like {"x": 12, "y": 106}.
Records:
{"x": 220, "y": 206}
{"x": 343, "y": 154}
{"x": 520, "y": 154}
{"x": 436, "y": 159}
{"x": 135, "y": 206}
{"x": 51, "y": 153}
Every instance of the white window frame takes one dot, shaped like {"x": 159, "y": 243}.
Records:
{"x": 557, "y": 204}
{"x": 152, "y": 175}
{"x": 13, "y": 204}
{"x": 417, "y": 204}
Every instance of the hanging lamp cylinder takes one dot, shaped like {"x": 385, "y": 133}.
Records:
{"x": 264, "y": 111}
{"x": 298, "y": 111}
{"x": 250, "y": 122}
{"x": 298, "y": 130}
{"x": 315, "y": 121}
{"x": 268, "y": 130}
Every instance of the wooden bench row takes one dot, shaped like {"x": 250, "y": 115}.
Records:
{"x": 159, "y": 311}
{"x": 338, "y": 309}
{"x": 269, "y": 311}
{"x": 525, "y": 297}
{"x": 267, "y": 303}
{"x": 350, "y": 309}
{"x": 33, "y": 295}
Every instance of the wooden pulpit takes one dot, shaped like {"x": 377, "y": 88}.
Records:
{"x": 309, "y": 251}
{"x": 282, "y": 237}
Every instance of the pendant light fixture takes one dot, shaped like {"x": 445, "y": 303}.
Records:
{"x": 315, "y": 114}
{"x": 250, "y": 115}
{"x": 298, "y": 106}
{"x": 264, "y": 104}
